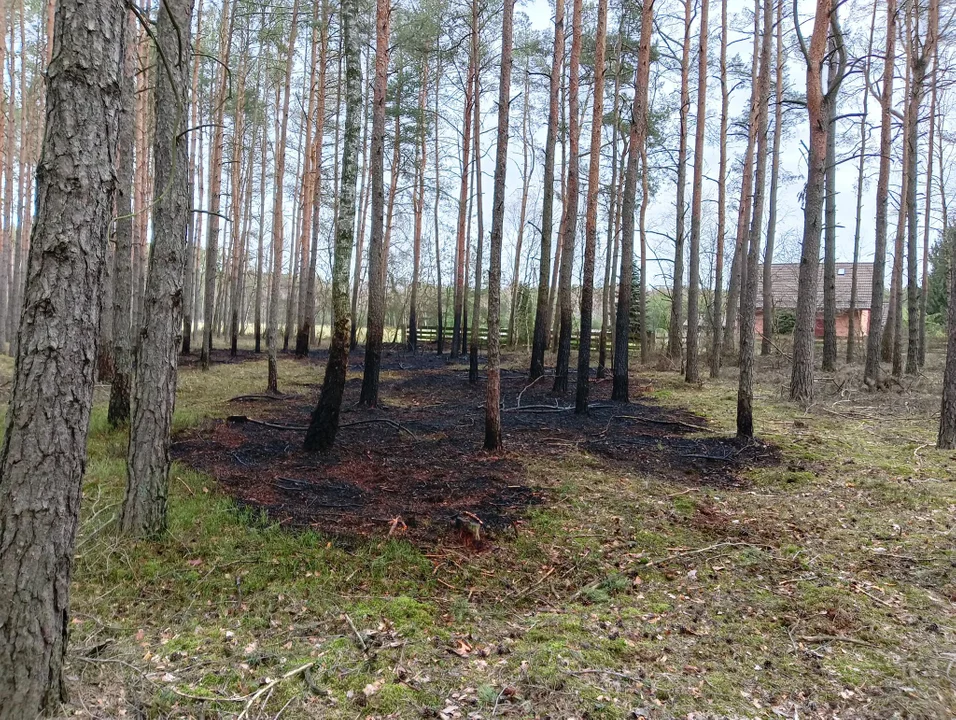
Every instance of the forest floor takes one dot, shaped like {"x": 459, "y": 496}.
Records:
{"x": 637, "y": 562}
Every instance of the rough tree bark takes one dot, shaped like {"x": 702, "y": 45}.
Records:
{"x": 325, "y": 418}
{"x": 154, "y": 382}
{"x": 493, "y": 395}
{"x": 692, "y": 374}
{"x": 590, "y": 217}
{"x": 376, "y": 242}
{"x": 44, "y": 446}
{"x": 118, "y": 412}
{"x": 539, "y": 342}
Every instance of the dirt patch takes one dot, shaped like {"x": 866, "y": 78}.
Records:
{"x": 415, "y": 466}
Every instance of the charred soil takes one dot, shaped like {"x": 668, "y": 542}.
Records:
{"x": 414, "y": 465}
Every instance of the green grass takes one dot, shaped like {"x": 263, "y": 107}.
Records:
{"x": 611, "y": 597}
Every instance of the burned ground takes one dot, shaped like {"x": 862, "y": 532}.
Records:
{"x": 414, "y": 465}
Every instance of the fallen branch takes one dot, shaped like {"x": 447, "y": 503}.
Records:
{"x": 264, "y": 423}
{"x": 554, "y": 408}
{"x": 392, "y": 423}
{"x": 303, "y": 428}
{"x": 706, "y": 549}
{"x": 268, "y": 687}
{"x": 243, "y": 398}
{"x": 522, "y": 593}
{"x": 599, "y": 671}
{"x": 835, "y": 638}
{"x": 651, "y": 421}
{"x": 357, "y": 633}
{"x": 526, "y": 387}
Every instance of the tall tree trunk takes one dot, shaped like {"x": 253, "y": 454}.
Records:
{"x": 852, "y": 330}
{"x": 801, "y": 380}
{"x": 873, "y": 374}
{"x": 376, "y": 244}
{"x": 480, "y": 215}
{"x": 294, "y": 269}
{"x": 313, "y": 263}
{"x": 325, "y": 418}
{"x": 542, "y": 306}
{"x": 570, "y": 220}
{"x": 693, "y": 289}
{"x": 636, "y": 139}
{"x": 461, "y": 257}
{"x": 313, "y": 195}
{"x": 610, "y": 258}
{"x": 675, "y": 334}
{"x": 829, "y": 233}
{"x": 590, "y": 216}
{"x": 6, "y": 210}
{"x": 493, "y": 395}
{"x": 946, "y": 440}
{"x": 927, "y": 210}
{"x": 238, "y": 178}
{"x": 920, "y": 64}
{"x": 523, "y": 213}
{"x": 198, "y": 219}
{"x": 44, "y": 446}
{"x": 215, "y": 181}
{"x": 272, "y": 325}
{"x": 766, "y": 343}
{"x": 362, "y": 213}
{"x": 738, "y": 265}
{"x": 893, "y": 340}
{"x": 192, "y": 240}
{"x": 716, "y": 318}
{"x": 118, "y": 412}
{"x": 25, "y": 200}
{"x": 260, "y": 251}
{"x": 554, "y": 318}
{"x": 748, "y": 304}
{"x": 642, "y": 230}
{"x": 154, "y": 383}
{"x": 440, "y": 339}
{"x": 418, "y": 201}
